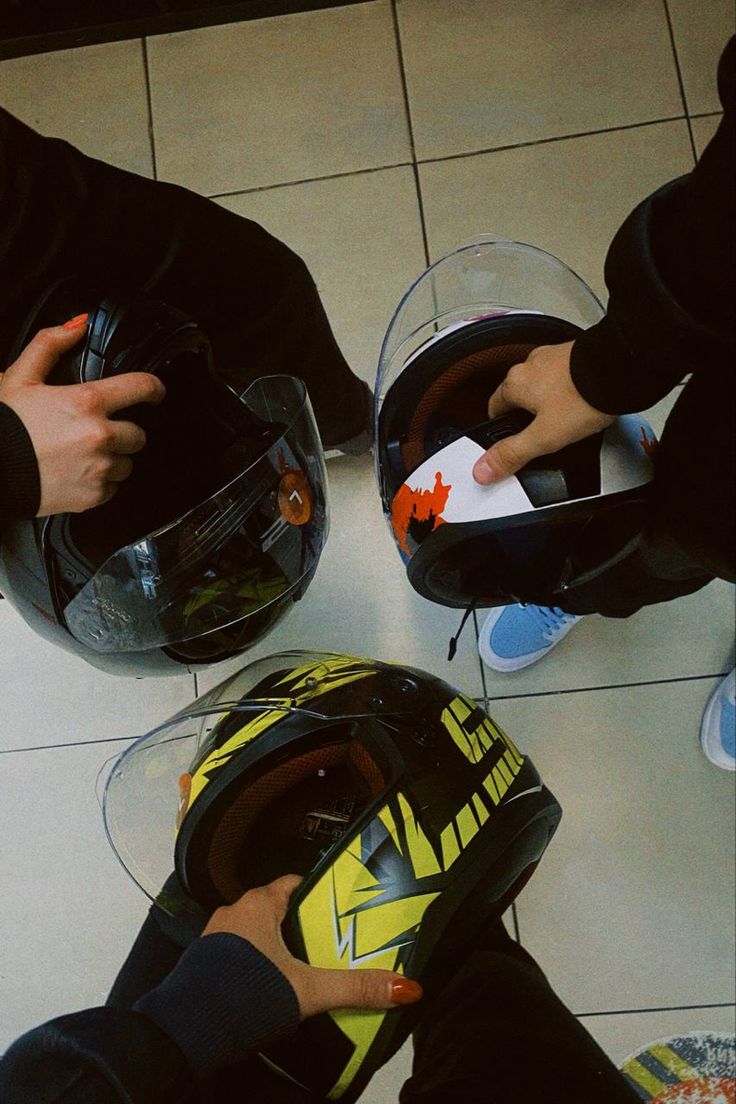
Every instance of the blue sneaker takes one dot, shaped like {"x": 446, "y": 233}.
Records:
{"x": 718, "y": 727}
{"x": 513, "y": 637}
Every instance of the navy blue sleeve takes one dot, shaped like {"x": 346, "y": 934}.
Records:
{"x": 223, "y": 1001}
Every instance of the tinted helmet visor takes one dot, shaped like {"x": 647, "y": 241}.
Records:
{"x": 223, "y": 517}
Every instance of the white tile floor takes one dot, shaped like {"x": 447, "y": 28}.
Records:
{"x": 358, "y": 135}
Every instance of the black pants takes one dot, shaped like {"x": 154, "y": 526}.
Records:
{"x": 494, "y": 1034}
{"x": 65, "y": 215}
{"x": 689, "y": 535}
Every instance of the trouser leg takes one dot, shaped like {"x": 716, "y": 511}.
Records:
{"x": 498, "y": 1034}
{"x": 657, "y": 570}
{"x": 690, "y": 532}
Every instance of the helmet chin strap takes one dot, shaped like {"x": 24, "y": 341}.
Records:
{"x": 454, "y": 639}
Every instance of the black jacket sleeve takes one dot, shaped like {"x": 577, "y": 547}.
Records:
{"x": 20, "y": 485}
{"x": 670, "y": 274}
{"x": 222, "y": 1002}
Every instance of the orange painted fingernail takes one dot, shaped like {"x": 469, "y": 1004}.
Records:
{"x": 405, "y": 991}
{"x": 73, "y": 323}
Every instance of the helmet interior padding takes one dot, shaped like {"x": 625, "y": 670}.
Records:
{"x": 279, "y": 824}
{"x": 461, "y": 392}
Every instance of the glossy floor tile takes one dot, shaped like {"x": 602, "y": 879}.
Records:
{"x": 701, "y": 32}
{"x": 50, "y": 696}
{"x": 68, "y": 912}
{"x": 624, "y": 1035}
{"x": 385, "y": 1084}
{"x": 361, "y": 237}
{"x": 273, "y": 100}
{"x": 485, "y": 73}
{"x": 567, "y": 197}
{"x": 93, "y": 97}
{"x": 632, "y": 906}
{"x": 704, "y": 127}
{"x": 360, "y": 602}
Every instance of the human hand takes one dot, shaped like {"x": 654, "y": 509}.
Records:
{"x": 543, "y": 386}
{"x": 258, "y": 916}
{"x": 82, "y": 453}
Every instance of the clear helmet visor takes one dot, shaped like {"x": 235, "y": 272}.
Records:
{"x": 147, "y": 789}
{"x": 478, "y": 280}
{"x": 247, "y": 546}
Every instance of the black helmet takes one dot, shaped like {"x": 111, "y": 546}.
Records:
{"x": 465, "y": 322}
{"x": 216, "y": 532}
{"x": 411, "y": 815}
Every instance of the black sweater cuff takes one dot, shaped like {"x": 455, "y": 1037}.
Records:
{"x": 223, "y": 1001}
{"x": 20, "y": 484}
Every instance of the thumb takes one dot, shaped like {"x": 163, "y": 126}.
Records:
{"x": 360, "y": 989}
{"x": 42, "y": 353}
{"x": 508, "y": 456}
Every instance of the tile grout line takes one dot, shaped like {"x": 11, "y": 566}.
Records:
{"x": 308, "y": 180}
{"x": 553, "y": 138}
{"x": 607, "y": 686}
{"x": 481, "y": 700}
{"x": 149, "y": 105}
{"x": 643, "y": 1011}
{"x": 410, "y": 126}
{"x": 450, "y": 157}
{"x": 481, "y": 664}
{"x": 110, "y": 739}
{"x": 681, "y": 83}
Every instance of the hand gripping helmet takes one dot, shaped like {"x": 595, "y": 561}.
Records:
{"x": 216, "y": 532}
{"x": 465, "y": 322}
{"x": 412, "y": 817}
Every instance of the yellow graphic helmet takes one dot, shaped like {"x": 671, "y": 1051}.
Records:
{"x": 412, "y": 817}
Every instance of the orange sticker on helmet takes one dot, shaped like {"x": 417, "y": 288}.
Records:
{"x": 417, "y": 513}
{"x": 295, "y": 498}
